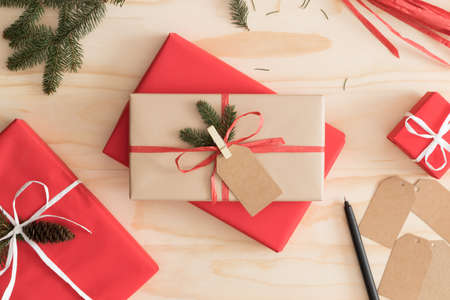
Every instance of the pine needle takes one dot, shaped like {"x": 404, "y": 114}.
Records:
{"x": 344, "y": 86}
{"x": 239, "y": 13}
{"x": 305, "y": 4}
{"x": 324, "y": 13}
{"x": 272, "y": 12}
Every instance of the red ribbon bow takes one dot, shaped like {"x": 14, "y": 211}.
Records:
{"x": 269, "y": 145}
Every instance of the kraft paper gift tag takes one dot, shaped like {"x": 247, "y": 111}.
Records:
{"x": 244, "y": 175}
{"x": 387, "y": 211}
{"x": 418, "y": 269}
{"x": 432, "y": 205}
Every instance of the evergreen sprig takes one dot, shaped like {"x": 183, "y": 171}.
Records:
{"x": 38, "y": 231}
{"x": 201, "y": 137}
{"x": 239, "y": 13}
{"x": 209, "y": 115}
{"x": 59, "y": 49}
{"x": 196, "y": 137}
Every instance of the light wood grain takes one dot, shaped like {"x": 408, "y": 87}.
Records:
{"x": 200, "y": 257}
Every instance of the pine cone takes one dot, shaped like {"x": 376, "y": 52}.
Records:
{"x": 4, "y": 248}
{"x": 46, "y": 232}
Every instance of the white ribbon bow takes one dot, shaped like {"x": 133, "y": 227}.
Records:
{"x": 18, "y": 229}
{"x": 437, "y": 139}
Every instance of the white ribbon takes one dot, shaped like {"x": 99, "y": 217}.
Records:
{"x": 18, "y": 229}
{"x": 437, "y": 139}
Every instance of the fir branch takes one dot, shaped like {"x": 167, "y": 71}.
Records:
{"x": 20, "y": 29}
{"x": 37, "y": 43}
{"x": 116, "y": 2}
{"x": 229, "y": 115}
{"x": 71, "y": 46}
{"x": 54, "y": 68}
{"x": 65, "y": 53}
{"x": 34, "y": 53}
{"x": 35, "y": 33}
{"x": 209, "y": 116}
{"x": 81, "y": 20}
{"x": 196, "y": 137}
{"x": 201, "y": 137}
{"x": 56, "y": 3}
{"x": 15, "y": 3}
{"x": 239, "y": 13}
{"x": 74, "y": 54}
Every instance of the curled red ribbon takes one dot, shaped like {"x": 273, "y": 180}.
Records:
{"x": 269, "y": 145}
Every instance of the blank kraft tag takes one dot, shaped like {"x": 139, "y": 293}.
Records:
{"x": 432, "y": 205}
{"x": 387, "y": 211}
{"x": 247, "y": 179}
{"x": 418, "y": 269}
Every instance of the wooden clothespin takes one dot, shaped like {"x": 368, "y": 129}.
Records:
{"x": 220, "y": 143}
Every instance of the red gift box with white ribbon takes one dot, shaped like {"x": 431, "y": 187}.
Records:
{"x": 423, "y": 134}
{"x": 102, "y": 261}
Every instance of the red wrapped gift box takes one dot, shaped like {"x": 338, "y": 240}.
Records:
{"x": 182, "y": 67}
{"x": 433, "y": 110}
{"x": 107, "y": 264}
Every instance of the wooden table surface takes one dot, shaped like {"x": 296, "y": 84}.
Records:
{"x": 199, "y": 256}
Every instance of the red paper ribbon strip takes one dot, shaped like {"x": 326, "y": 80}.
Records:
{"x": 269, "y": 145}
{"x": 422, "y": 16}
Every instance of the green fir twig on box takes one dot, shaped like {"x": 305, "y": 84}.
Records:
{"x": 38, "y": 231}
{"x": 59, "y": 49}
{"x": 200, "y": 137}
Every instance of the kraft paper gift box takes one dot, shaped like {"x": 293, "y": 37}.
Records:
{"x": 107, "y": 264}
{"x": 155, "y": 120}
{"x": 434, "y": 111}
{"x": 182, "y": 67}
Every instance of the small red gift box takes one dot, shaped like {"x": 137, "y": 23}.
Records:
{"x": 105, "y": 264}
{"x": 424, "y": 134}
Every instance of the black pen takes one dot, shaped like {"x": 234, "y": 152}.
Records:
{"x": 360, "y": 252}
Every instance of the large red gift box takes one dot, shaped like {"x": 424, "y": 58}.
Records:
{"x": 182, "y": 67}
{"x": 107, "y": 264}
{"x": 432, "y": 109}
